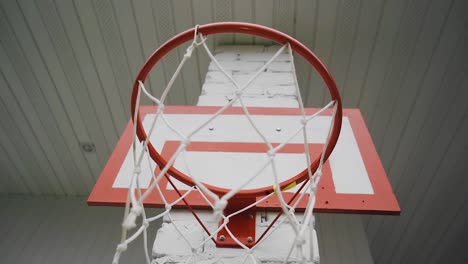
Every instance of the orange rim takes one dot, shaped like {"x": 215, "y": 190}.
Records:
{"x": 249, "y": 29}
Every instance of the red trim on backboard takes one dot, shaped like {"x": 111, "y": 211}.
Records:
{"x": 383, "y": 201}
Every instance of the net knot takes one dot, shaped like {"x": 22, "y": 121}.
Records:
{"x": 238, "y": 93}
{"x": 198, "y": 38}
{"x": 219, "y": 207}
{"x": 304, "y": 121}
{"x": 161, "y": 107}
{"x": 188, "y": 52}
{"x": 185, "y": 142}
{"x": 137, "y": 209}
{"x": 300, "y": 240}
{"x": 145, "y": 223}
{"x": 318, "y": 173}
{"x": 271, "y": 154}
{"x": 137, "y": 170}
{"x": 122, "y": 247}
{"x": 313, "y": 188}
{"x": 168, "y": 207}
{"x": 129, "y": 223}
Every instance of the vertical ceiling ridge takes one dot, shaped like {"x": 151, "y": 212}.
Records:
{"x": 329, "y": 55}
{"x": 66, "y": 128}
{"x": 222, "y": 13}
{"x": 428, "y": 117}
{"x": 352, "y": 50}
{"x": 137, "y": 31}
{"x": 104, "y": 23}
{"x": 418, "y": 92}
{"x": 399, "y": 45}
{"x": 375, "y": 226}
{"x": 388, "y": 33}
{"x": 303, "y": 33}
{"x": 146, "y": 27}
{"x": 6, "y": 85}
{"x": 158, "y": 43}
{"x": 190, "y": 73}
{"x": 443, "y": 250}
{"x": 203, "y": 13}
{"x": 371, "y": 51}
{"x": 326, "y": 24}
{"x": 13, "y": 172}
{"x": 446, "y": 223}
{"x": 69, "y": 69}
{"x": 387, "y": 134}
{"x": 350, "y": 14}
{"x": 400, "y": 81}
{"x": 179, "y": 54}
{"x": 197, "y": 54}
{"x": 458, "y": 126}
{"x": 119, "y": 29}
{"x": 50, "y": 125}
{"x": 435, "y": 47}
{"x": 8, "y": 51}
{"x": 443, "y": 79}
{"x": 37, "y": 149}
{"x": 419, "y": 167}
{"x": 165, "y": 30}
{"x": 8, "y": 54}
{"x": 115, "y": 110}
{"x": 82, "y": 165}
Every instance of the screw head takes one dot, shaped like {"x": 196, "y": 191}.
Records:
{"x": 249, "y": 240}
{"x": 278, "y": 129}
{"x": 250, "y": 216}
{"x": 211, "y": 128}
{"x": 87, "y": 147}
{"x": 222, "y": 238}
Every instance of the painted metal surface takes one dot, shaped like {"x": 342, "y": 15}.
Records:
{"x": 341, "y": 191}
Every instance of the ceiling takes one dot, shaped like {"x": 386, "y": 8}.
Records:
{"x": 67, "y": 67}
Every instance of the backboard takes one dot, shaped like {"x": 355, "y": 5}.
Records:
{"x": 354, "y": 180}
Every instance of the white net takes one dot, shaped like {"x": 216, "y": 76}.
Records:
{"x": 303, "y": 249}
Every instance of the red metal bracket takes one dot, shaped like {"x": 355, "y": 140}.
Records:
{"x": 241, "y": 225}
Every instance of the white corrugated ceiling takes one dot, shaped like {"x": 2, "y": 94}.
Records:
{"x": 67, "y": 67}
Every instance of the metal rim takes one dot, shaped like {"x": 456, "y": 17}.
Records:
{"x": 249, "y": 29}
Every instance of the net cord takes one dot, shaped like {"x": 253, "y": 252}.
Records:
{"x": 137, "y": 196}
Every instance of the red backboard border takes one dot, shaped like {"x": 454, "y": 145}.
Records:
{"x": 382, "y": 202}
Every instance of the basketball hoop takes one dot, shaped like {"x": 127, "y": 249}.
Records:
{"x": 243, "y": 28}
{"x": 233, "y": 208}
